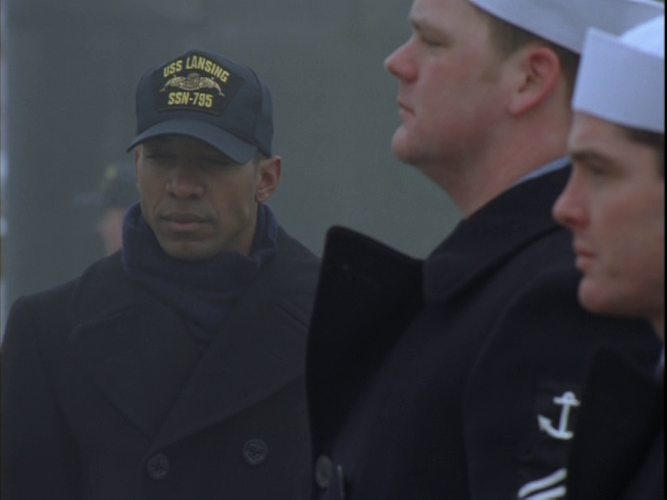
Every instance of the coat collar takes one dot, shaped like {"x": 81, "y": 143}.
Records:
{"x": 367, "y": 293}
{"x": 492, "y": 235}
{"x": 141, "y": 355}
{"x": 135, "y": 347}
{"x": 259, "y": 350}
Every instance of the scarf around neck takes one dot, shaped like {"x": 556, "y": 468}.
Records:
{"x": 203, "y": 291}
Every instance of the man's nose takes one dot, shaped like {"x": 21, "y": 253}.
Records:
{"x": 184, "y": 182}
{"x": 568, "y": 209}
{"x": 400, "y": 64}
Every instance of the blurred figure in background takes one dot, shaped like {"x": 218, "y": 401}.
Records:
{"x": 614, "y": 204}
{"x": 117, "y": 192}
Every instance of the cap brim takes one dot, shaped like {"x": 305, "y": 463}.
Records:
{"x": 232, "y": 146}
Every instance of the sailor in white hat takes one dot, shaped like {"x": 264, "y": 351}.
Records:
{"x": 614, "y": 201}
{"x": 614, "y": 204}
{"x": 566, "y": 24}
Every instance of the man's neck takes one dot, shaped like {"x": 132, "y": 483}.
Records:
{"x": 483, "y": 175}
{"x": 473, "y": 189}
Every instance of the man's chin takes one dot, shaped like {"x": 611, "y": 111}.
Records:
{"x": 593, "y": 299}
{"x": 400, "y": 146}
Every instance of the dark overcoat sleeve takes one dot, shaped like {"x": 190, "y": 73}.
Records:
{"x": 39, "y": 459}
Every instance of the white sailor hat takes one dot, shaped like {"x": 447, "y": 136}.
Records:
{"x": 622, "y": 79}
{"x": 564, "y": 22}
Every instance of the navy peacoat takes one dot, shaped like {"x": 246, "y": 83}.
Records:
{"x": 458, "y": 377}
{"x": 104, "y": 394}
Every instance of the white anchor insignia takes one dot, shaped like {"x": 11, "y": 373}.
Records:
{"x": 567, "y": 401}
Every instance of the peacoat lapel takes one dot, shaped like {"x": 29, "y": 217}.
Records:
{"x": 367, "y": 294}
{"x": 493, "y": 234}
{"x": 135, "y": 348}
{"x": 258, "y": 350}
{"x": 140, "y": 354}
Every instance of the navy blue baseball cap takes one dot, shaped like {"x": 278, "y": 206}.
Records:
{"x": 208, "y": 97}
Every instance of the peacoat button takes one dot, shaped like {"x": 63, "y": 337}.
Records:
{"x": 255, "y": 451}
{"x": 158, "y": 466}
{"x": 323, "y": 471}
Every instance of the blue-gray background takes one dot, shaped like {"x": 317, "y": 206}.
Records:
{"x": 69, "y": 73}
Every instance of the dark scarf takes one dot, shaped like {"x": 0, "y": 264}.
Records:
{"x": 203, "y": 291}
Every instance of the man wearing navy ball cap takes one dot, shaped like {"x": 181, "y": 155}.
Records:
{"x": 173, "y": 369}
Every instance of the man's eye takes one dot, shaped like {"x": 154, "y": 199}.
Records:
{"x": 431, "y": 41}
{"x": 594, "y": 170}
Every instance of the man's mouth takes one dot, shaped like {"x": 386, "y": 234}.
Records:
{"x": 184, "y": 221}
{"x": 584, "y": 256}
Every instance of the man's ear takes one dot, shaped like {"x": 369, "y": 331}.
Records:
{"x": 268, "y": 178}
{"x": 538, "y": 71}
